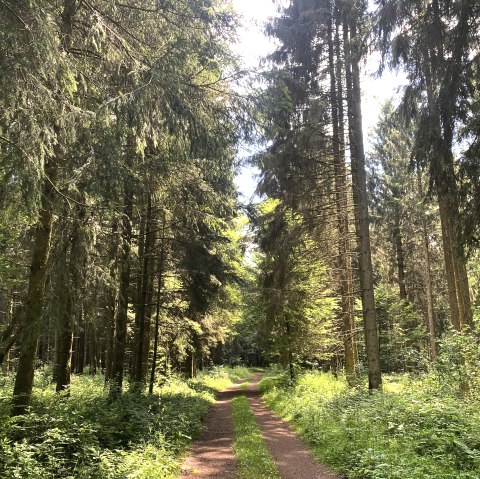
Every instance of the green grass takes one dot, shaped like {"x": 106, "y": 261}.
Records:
{"x": 254, "y": 459}
{"x": 411, "y": 430}
{"x": 86, "y": 437}
{"x": 221, "y": 377}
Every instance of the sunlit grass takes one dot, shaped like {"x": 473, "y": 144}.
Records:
{"x": 410, "y": 430}
{"x": 85, "y": 436}
{"x": 254, "y": 459}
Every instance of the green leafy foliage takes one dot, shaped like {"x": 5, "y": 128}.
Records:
{"x": 402, "y": 335}
{"x": 87, "y": 436}
{"x": 292, "y": 307}
{"x": 408, "y": 431}
{"x": 458, "y": 366}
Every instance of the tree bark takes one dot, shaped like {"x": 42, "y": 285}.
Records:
{"x": 80, "y": 342}
{"x": 11, "y": 332}
{"x": 121, "y": 320}
{"x": 397, "y": 235}
{"x": 444, "y": 206}
{"x": 291, "y": 367}
{"x": 7, "y": 340}
{"x": 436, "y": 68}
{"x": 92, "y": 345}
{"x": 190, "y": 369}
{"x": 111, "y": 303}
{"x": 343, "y": 257}
{"x": 360, "y": 186}
{"x": 148, "y": 319}
{"x": 70, "y": 283}
{"x": 31, "y": 329}
{"x": 63, "y": 346}
{"x": 160, "y": 275}
{"x": 22, "y": 391}
{"x": 432, "y": 333}
{"x": 64, "y": 330}
{"x": 141, "y": 338}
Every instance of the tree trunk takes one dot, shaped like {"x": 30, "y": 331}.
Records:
{"x": 148, "y": 320}
{"x": 121, "y": 320}
{"x": 291, "y": 367}
{"x": 111, "y": 303}
{"x": 8, "y": 331}
{"x": 351, "y": 121}
{"x": 447, "y": 239}
{"x": 190, "y": 368}
{"x": 160, "y": 275}
{"x": 135, "y": 381}
{"x": 64, "y": 330}
{"x": 11, "y": 332}
{"x": 70, "y": 283}
{"x": 343, "y": 258}
{"x": 92, "y": 343}
{"x": 63, "y": 346}
{"x": 31, "y": 329}
{"x": 442, "y": 115}
{"x": 366, "y": 275}
{"x": 432, "y": 333}
{"x": 397, "y": 236}
{"x": 80, "y": 342}
{"x": 464, "y": 289}
{"x": 141, "y": 345}
{"x": 22, "y": 391}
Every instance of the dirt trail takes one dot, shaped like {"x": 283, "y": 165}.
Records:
{"x": 294, "y": 460}
{"x": 212, "y": 457}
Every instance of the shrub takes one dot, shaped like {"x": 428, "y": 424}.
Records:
{"x": 86, "y": 436}
{"x": 408, "y": 431}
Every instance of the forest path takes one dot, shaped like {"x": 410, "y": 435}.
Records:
{"x": 293, "y": 458}
{"x": 212, "y": 457}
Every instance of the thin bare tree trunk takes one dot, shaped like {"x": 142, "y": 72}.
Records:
{"x": 80, "y": 342}
{"x": 343, "y": 255}
{"x": 111, "y": 303}
{"x": 432, "y": 333}
{"x": 11, "y": 332}
{"x": 160, "y": 275}
{"x": 140, "y": 340}
{"x": 148, "y": 318}
{"x": 360, "y": 186}
{"x": 397, "y": 235}
{"x": 8, "y": 333}
{"x": 92, "y": 345}
{"x": 69, "y": 285}
{"x": 121, "y": 320}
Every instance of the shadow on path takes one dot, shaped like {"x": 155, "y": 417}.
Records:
{"x": 211, "y": 456}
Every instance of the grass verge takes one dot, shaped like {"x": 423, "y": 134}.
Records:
{"x": 410, "y": 430}
{"x": 254, "y": 459}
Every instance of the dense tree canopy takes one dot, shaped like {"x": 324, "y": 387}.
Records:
{"x": 126, "y": 254}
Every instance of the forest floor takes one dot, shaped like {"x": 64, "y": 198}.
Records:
{"x": 212, "y": 455}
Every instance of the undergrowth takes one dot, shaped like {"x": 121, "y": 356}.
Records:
{"x": 411, "y": 430}
{"x": 85, "y": 436}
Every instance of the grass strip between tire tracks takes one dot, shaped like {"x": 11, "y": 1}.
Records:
{"x": 254, "y": 459}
